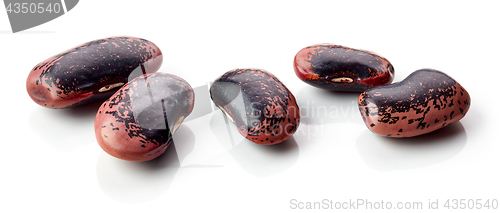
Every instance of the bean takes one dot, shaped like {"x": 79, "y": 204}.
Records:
{"x": 262, "y": 108}
{"x": 425, "y": 101}
{"x": 92, "y": 71}
{"x": 138, "y": 121}
{"x": 339, "y": 68}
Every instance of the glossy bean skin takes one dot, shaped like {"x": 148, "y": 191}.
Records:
{"x": 92, "y": 71}
{"x": 137, "y": 122}
{"x": 425, "y": 101}
{"x": 262, "y": 108}
{"x": 339, "y": 68}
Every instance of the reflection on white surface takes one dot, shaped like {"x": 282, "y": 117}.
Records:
{"x": 65, "y": 129}
{"x": 184, "y": 140}
{"x": 194, "y": 151}
{"x": 135, "y": 182}
{"x": 264, "y": 161}
{"x": 225, "y": 131}
{"x": 259, "y": 160}
{"x": 319, "y": 106}
{"x": 386, "y": 154}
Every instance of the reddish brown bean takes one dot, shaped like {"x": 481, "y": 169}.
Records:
{"x": 92, "y": 71}
{"x": 262, "y": 108}
{"x": 138, "y": 121}
{"x": 339, "y": 68}
{"x": 425, "y": 101}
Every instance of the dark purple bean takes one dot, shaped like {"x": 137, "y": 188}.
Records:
{"x": 425, "y": 101}
{"x": 261, "y": 107}
{"x": 339, "y": 68}
{"x": 138, "y": 121}
{"x": 92, "y": 71}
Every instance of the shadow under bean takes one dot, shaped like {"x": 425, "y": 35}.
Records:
{"x": 258, "y": 160}
{"x": 184, "y": 140}
{"x": 136, "y": 182}
{"x": 388, "y": 154}
{"x": 264, "y": 161}
{"x": 65, "y": 129}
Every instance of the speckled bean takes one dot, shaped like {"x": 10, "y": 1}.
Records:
{"x": 339, "y": 68}
{"x": 138, "y": 121}
{"x": 262, "y": 108}
{"x": 92, "y": 71}
{"x": 425, "y": 101}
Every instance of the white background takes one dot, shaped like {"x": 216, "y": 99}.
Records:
{"x": 50, "y": 160}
